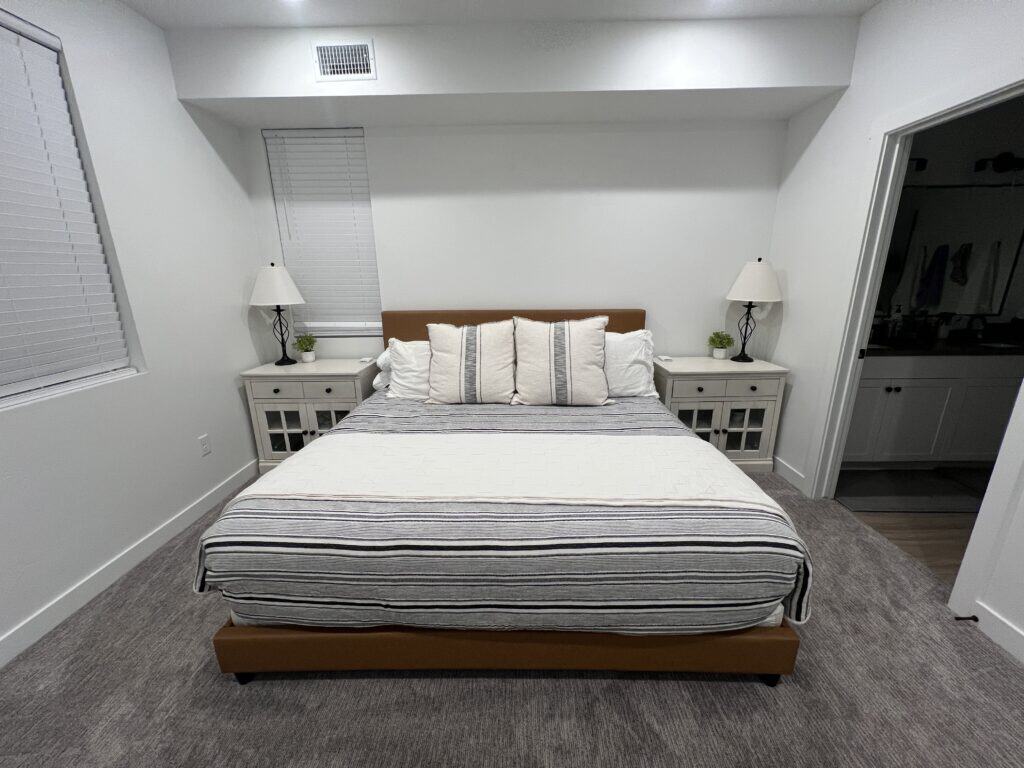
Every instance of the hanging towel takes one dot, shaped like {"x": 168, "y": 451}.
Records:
{"x": 960, "y": 261}
{"x": 929, "y": 292}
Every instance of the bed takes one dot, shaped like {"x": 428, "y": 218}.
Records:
{"x": 416, "y": 536}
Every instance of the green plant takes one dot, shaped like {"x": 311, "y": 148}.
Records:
{"x": 305, "y": 342}
{"x": 720, "y": 340}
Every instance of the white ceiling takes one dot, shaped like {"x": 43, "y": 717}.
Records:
{"x": 325, "y": 13}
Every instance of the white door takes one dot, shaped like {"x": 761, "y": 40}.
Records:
{"x": 979, "y": 419}
{"x": 866, "y": 422}
{"x": 745, "y": 428}
{"x": 703, "y": 418}
{"x": 989, "y": 582}
{"x": 283, "y": 429}
{"x": 323, "y": 416}
{"x": 913, "y": 419}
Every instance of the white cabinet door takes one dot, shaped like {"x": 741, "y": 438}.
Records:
{"x": 866, "y": 423}
{"x": 323, "y": 415}
{"x": 746, "y": 427}
{"x": 979, "y": 419}
{"x": 704, "y": 419}
{"x": 283, "y": 429}
{"x": 913, "y": 419}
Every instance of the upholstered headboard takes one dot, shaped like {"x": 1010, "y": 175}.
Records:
{"x": 411, "y": 325}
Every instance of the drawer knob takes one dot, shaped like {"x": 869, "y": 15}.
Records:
{"x": 753, "y": 387}
{"x": 898, "y": 389}
{"x": 888, "y": 389}
{"x": 328, "y": 390}
{"x": 305, "y": 432}
{"x": 717, "y": 431}
{"x": 277, "y": 391}
{"x": 700, "y": 389}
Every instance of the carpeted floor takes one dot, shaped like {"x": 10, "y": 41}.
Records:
{"x": 885, "y": 678}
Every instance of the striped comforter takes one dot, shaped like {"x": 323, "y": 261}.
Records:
{"x": 614, "y": 518}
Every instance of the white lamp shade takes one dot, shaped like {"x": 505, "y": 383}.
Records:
{"x": 757, "y": 283}
{"x": 274, "y": 286}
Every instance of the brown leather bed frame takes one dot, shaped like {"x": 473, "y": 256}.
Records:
{"x": 243, "y": 651}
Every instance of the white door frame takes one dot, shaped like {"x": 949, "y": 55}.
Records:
{"x": 895, "y": 132}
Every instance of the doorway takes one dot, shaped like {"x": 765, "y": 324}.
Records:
{"x": 945, "y": 354}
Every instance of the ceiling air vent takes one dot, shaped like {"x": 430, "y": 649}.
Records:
{"x": 345, "y": 61}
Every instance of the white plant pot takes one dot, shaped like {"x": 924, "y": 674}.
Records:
{"x": 308, "y": 357}
{"x": 719, "y": 354}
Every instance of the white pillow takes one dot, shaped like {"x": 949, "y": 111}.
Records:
{"x": 410, "y": 369}
{"x": 383, "y": 378}
{"x": 629, "y": 364}
{"x": 472, "y": 363}
{"x": 560, "y": 363}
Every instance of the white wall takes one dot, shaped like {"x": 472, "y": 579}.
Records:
{"x": 87, "y": 475}
{"x": 658, "y": 216}
{"x": 912, "y": 60}
{"x": 554, "y": 57}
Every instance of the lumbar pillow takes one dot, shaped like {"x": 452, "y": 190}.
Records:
{"x": 629, "y": 364}
{"x": 410, "y": 369}
{"x": 560, "y": 363}
{"x": 472, "y": 363}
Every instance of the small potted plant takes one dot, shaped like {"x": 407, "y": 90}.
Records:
{"x": 305, "y": 344}
{"x": 720, "y": 341}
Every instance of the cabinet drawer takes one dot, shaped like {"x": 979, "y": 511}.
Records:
{"x": 752, "y": 387}
{"x": 698, "y": 387}
{"x": 318, "y": 390}
{"x": 289, "y": 390}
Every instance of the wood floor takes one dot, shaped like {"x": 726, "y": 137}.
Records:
{"x": 937, "y": 539}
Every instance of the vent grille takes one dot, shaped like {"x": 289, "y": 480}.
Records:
{"x": 345, "y": 61}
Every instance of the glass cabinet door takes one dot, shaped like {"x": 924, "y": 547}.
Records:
{"x": 283, "y": 429}
{"x": 324, "y": 416}
{"x": 745, "y": 425}
{"x": 703, "y": 418}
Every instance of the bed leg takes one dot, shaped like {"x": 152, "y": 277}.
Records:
{"x": 244, "y": 677}
{"x": 770, "y": 680}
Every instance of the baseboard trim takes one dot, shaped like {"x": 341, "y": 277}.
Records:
{"x": 1001, "y": 630}
{"x": 28, "y": 631}
{"x": 791, "y": 474}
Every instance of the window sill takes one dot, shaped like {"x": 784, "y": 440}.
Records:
{"x": 47, "y": 393}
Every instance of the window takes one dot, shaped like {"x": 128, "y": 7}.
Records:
{"x": 59, "y": 320}
{"x": 322, "y": 195}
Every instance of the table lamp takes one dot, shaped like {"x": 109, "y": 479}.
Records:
{"x": 275, "y": 288}
{"x": 756, "y": 284}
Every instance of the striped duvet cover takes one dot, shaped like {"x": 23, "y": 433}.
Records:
{"x": 605, "y": 519}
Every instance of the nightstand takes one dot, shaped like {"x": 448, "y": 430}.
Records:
{"x": 291, "y": 405}
{"x": 734, "y": 406}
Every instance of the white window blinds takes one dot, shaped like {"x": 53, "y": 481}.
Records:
{"x": 322, "y": 195}
{"x": 58, "y": 315}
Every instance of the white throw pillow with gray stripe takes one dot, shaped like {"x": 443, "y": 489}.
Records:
{"x": 560, "y": 363}
{"x": 472, "y": 363}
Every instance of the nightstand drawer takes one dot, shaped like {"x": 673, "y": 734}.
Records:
{"x": 752, "y": 387}
{"x": 698, "y": 387}
{"x": 287, "y": 390}
{"x": 316, "y": 390}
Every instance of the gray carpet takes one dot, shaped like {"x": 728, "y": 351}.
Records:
{"x": 885, "y": 678}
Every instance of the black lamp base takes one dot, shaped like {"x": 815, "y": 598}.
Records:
{"x": 746, "y": 327}
{"x": 281, "y": 334}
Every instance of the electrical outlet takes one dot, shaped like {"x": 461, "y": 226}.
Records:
{"x": 204, "y": 445}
